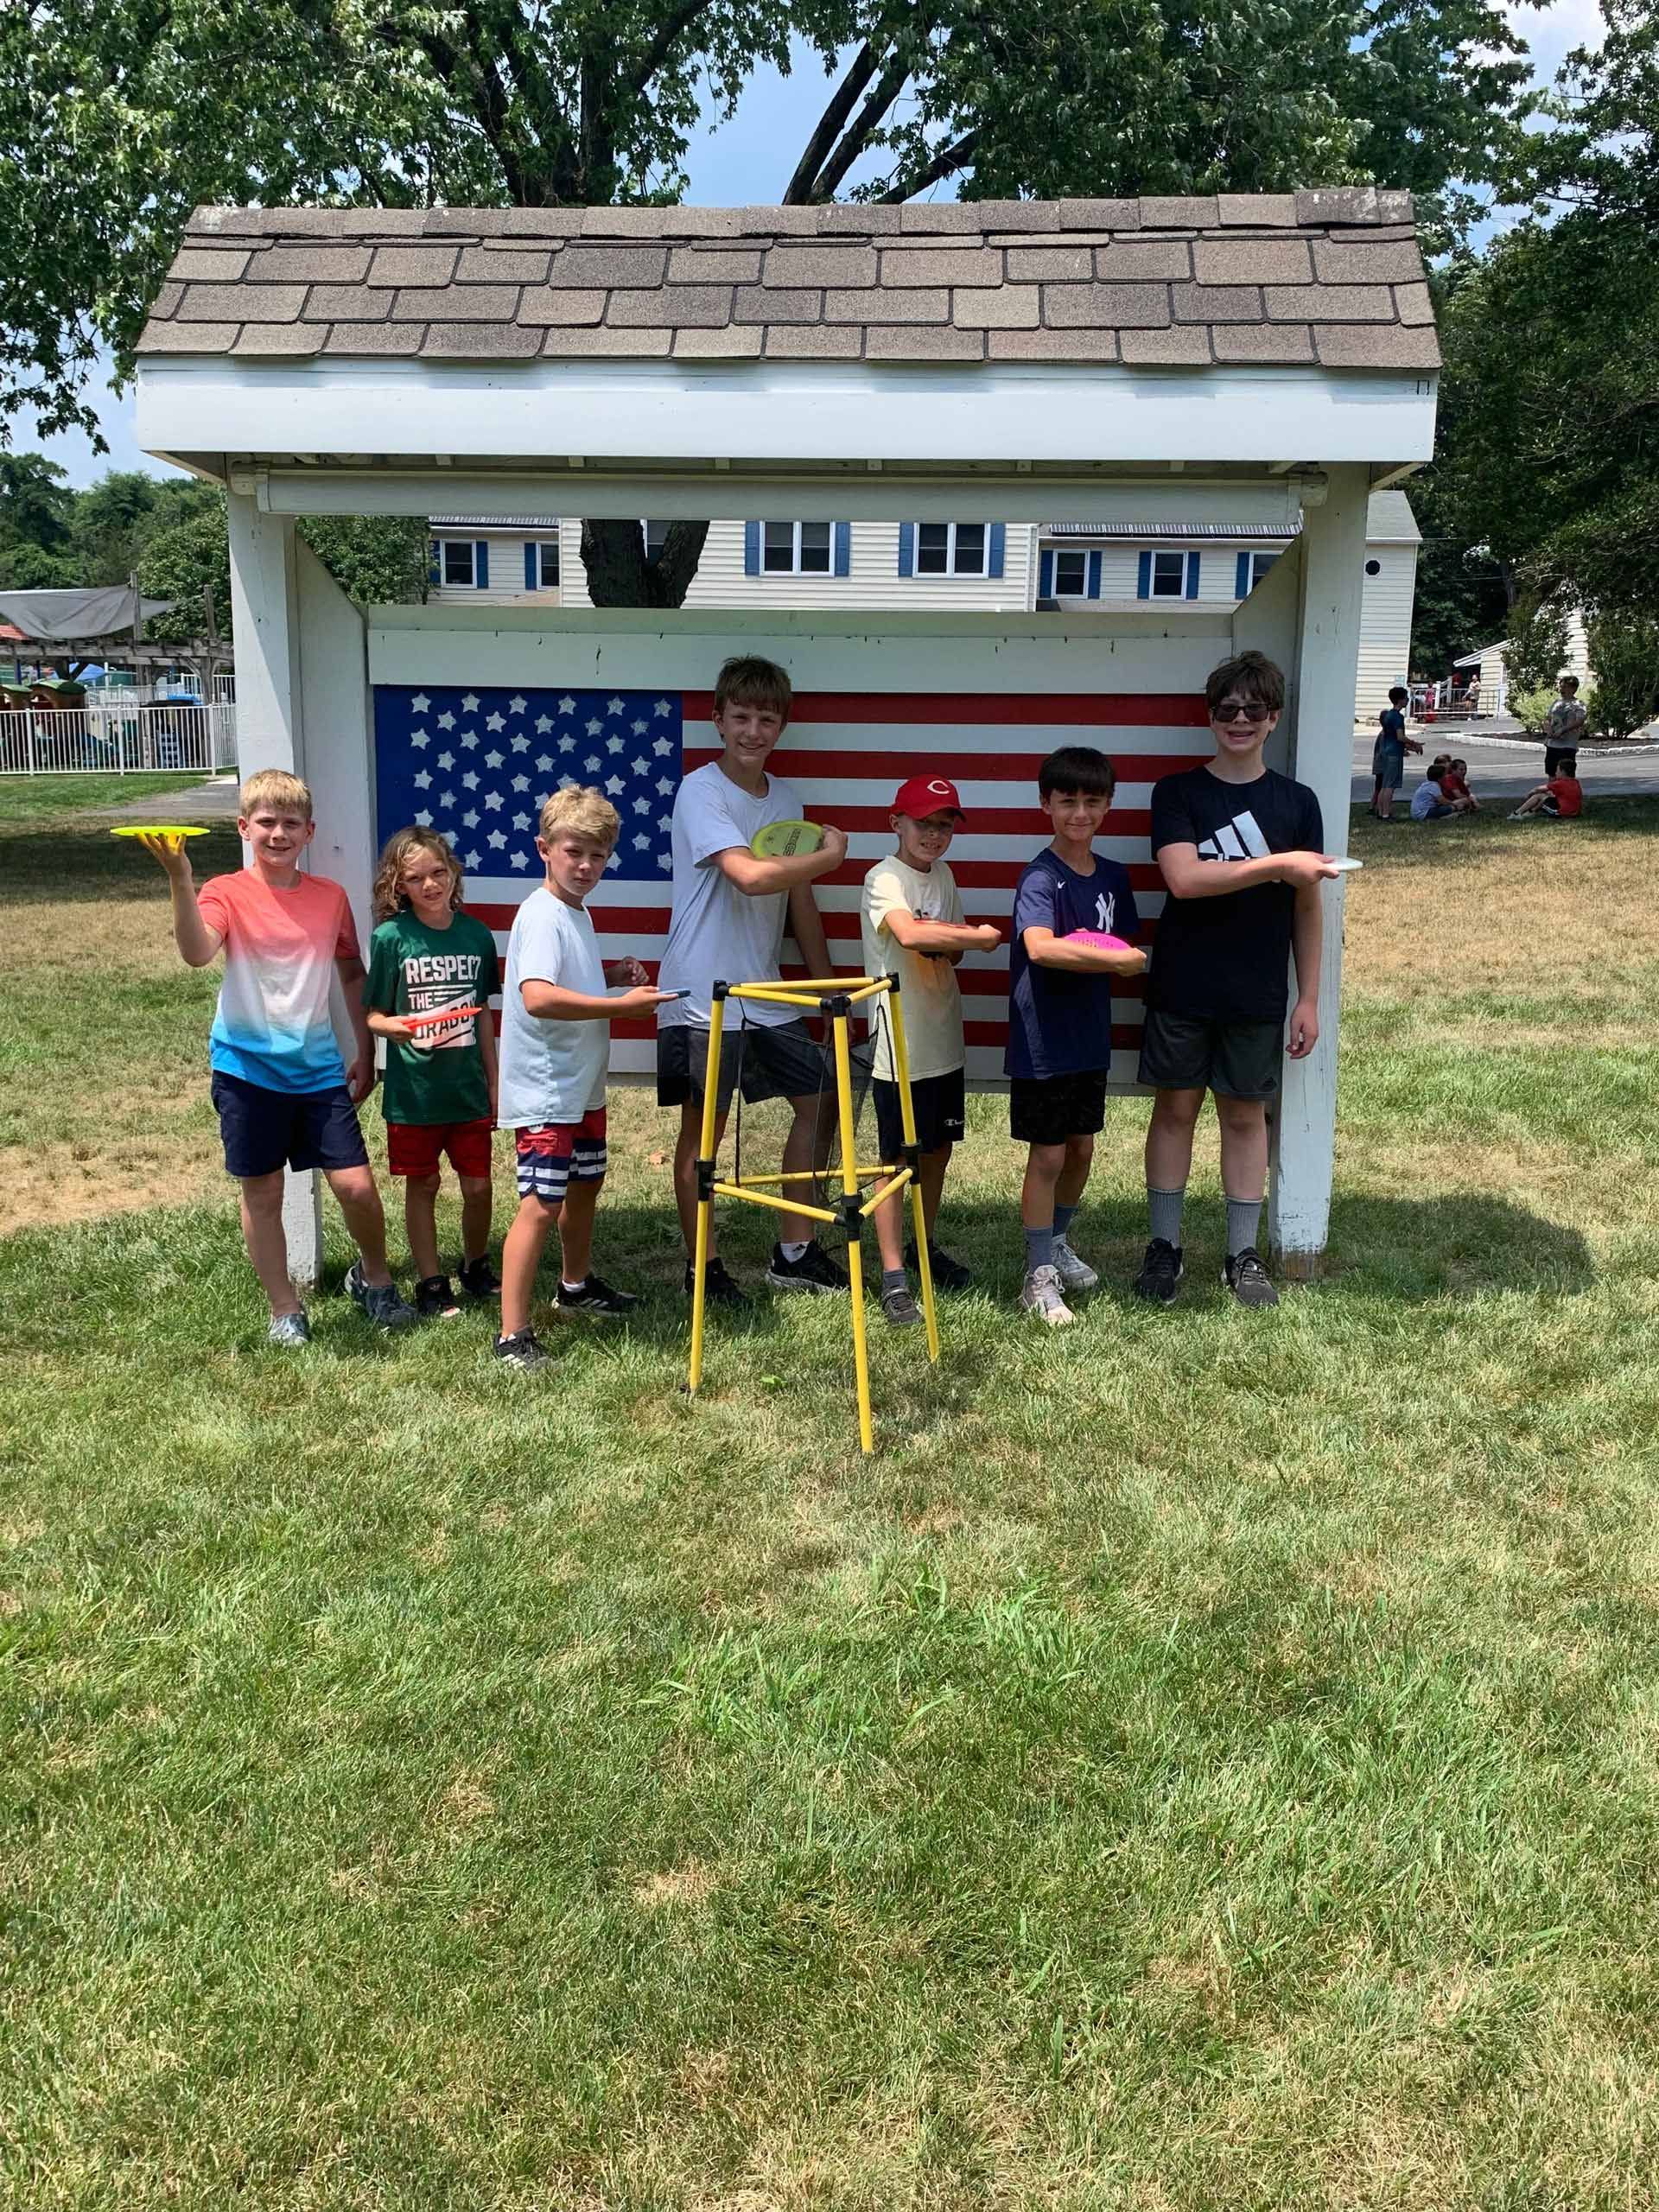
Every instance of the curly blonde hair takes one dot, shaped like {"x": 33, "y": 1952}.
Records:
{"x": 390, "y": 897}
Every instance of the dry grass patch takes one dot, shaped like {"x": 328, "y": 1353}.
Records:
{"x": 691, "y": 1883}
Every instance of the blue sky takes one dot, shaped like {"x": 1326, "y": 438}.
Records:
{"x": 748, "y": 161}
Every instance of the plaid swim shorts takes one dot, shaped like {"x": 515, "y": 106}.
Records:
{"x": 553, "y": 1154}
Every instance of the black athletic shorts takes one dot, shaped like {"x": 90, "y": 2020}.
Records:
{"x": 1236, "y": 1059}
{"x": 1560, "y": 759}
{"x": 779, "y": 1060}
{"x": 263, "y": 1130}
{"x": 939, "y": 1103}
{"x": 1046, "y": 1109}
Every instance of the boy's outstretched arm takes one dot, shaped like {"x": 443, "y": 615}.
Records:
{"x": 760, "y": 878}
{"x": 552, "y": 1002}
{"x": 950, "y": 938}
{"x": 1188, "y": 877}
{"x": 1050, "y": 951}
{"x": 197, "y": 944}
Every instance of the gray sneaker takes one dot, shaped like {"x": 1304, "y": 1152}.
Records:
{"x": 1248, "y": 1281}
{"x": 380, "y": 1301}
{"x": 900, "y": 1308}
{"x": 289, "y": 1330}
{"x": 1041, "y": 1296}
{"x": 1074, "y": 1274}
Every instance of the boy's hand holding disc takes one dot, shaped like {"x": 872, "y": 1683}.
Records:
{"x": 1103, "y": 941}
{"x": 783, "y": 841}
{"x": 164, "y": 841}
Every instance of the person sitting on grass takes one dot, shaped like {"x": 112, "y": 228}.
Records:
{"x": 284, "y": 1097}
{"x": 1429, "y": 801}
{"x": 1059, "y": 1048}
{"x": 439, "y": 1093}
{"x": 913, "y": 927}
{"x": 555, "y": 1013}
{"x": 1454, "y": 783}
{"x": 1561, "y": 800}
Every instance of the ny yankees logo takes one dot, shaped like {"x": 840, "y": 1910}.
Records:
{"x": 1105, "y": 911}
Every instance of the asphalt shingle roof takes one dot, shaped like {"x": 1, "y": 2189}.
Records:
{"x": 1328, "y": 277}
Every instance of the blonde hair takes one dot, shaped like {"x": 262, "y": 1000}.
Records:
{"x": 390, "y": 896}
{"x": 275, "y": 787}
{"x": 585, "y": 813}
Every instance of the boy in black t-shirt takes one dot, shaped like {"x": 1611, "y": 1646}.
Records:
{"x": 1239, "y": 847}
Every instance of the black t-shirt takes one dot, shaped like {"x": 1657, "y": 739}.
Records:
{"x": 1228, "y": 959}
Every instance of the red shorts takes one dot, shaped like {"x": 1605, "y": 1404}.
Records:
{"x": 417, "y": 1148}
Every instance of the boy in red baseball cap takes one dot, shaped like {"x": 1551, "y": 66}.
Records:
{"x": 913, "y": 927}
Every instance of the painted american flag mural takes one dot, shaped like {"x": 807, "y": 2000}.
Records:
{"x": 476, "y": 761}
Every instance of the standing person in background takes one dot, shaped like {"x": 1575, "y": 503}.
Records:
{"x": 1389, "y": 755}
{"x": 1563, "y": 726}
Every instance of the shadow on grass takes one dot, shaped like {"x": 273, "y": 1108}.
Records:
{"x": 1432, "y": 844}
{"x": 1458, "y": 1245}
{"x": 77, "y": 859}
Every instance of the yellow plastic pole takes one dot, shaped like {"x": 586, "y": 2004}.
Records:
{"x": 782, "y": 1205}
{"x": 809, "y": 1175}
{"x": 869, "y": 990}
{"x": 784, "y": 998}
{"x": 880, "y": 1196}
{"x": 705, "y": 1203}
{"x": 907, "y": 1122}
{"x": 854, "y": 1253}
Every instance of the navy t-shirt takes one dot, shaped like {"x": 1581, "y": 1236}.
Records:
{"x": 1061, "y": 1024}
{"x": 1393, "y": 729}
{"x": 1228, "y": 958}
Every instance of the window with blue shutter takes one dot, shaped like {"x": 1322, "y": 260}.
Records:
{"x": 481, "y": 564}
{"x": 434, "y": 574}
{"x": 906, "y": 549}
{"x": 843, "y": 549}
{"x": 1192, "y": 576}
{"x": 751, "y": 549}
{"x": 996, "y": 548}
{"x": 1094, "y": 575}
{"x": 533, "y": 566}
{"x": 1242, "y": 577}
{"x": 1046, "y": 575}
{"x": 1143, "y": 578}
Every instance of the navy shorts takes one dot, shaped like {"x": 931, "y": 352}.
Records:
{"x": 779, "y": 1060}
{"x": 939, "y": 1104}
{"x": 1047, "y": 1109}
{"x": 263, "y": 1131}
{"x": 1236, "y": 1059}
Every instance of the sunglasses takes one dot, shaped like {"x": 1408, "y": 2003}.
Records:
{"x": 1229, "y": 710}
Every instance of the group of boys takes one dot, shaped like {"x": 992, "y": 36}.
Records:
{"x": 1239, "y": 847}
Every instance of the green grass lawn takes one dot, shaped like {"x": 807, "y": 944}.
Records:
{"x": 37, "y": 800}
{"x": 1206, "y": 1760}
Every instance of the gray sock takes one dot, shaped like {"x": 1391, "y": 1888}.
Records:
{"x": 1243, "y": 1217}
{"x": 1164, "y": 1207}
{"x": 893, "y": 1279}
{"x": 1040, "y": 1248}
{"x": 1064, "y": 1218}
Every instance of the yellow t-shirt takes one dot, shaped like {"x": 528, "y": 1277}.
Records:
{"x": 927, "y": 985}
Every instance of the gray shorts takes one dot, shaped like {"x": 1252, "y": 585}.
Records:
{"x": 1236, "y": 1059}
{"x": 777, "y": 1060}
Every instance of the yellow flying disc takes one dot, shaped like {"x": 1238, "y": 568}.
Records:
{"x": 158, "y": 830}
{"x": 781, "y": 841}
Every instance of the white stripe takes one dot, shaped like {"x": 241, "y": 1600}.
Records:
{"x": 987, "y": 900}
{"x": 918, "y": 739}
{"x": 1249, "y": 831}
{"x": 636, "y": 1057}
{"x": 864, "y": 790}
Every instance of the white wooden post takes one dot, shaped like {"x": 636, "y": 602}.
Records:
{"x": 271, "y": 734}
{"x": 1322, "y": 702}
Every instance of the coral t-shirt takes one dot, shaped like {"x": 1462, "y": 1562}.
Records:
{"x": 1569, "y": 795}
{"x": 273, "y": 1025}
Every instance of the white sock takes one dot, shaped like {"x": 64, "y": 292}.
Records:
{"x": 791, "y": 1252}
{"x": 563, "y": 1285}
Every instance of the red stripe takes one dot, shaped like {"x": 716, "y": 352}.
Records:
{"x": 795, "y": 761}
{"x": 652, "y": 921}
{"x": 1097, "y": 710}
{"x": 990, "y": 821}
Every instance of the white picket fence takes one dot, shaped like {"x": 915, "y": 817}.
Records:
{"x": 117, "y": 737}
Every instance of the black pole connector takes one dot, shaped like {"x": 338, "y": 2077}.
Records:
{"x": 893, "y": 984}
{"x": 849, "y": 1207}
{"x": 720, "y": 990}
{"x": 912, "y": 1157}
{"x": 705, "y": 1179}
{"x": 838, "y": 1003}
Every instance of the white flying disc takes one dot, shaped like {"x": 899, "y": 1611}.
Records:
{"x": 1347, "y": 867}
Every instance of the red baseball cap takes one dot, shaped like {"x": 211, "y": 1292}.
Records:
{"x": 925, "y": 795}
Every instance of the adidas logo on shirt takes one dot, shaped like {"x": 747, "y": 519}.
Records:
{"x": 1241, "y": 839}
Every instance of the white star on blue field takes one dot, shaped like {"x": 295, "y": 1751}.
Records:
{"x": 478, "y": 764}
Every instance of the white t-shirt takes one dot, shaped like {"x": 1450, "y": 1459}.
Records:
{"x": 550, "y": 1071}
{"x": 927, "y": 985}
{"x": 720, "y": 934}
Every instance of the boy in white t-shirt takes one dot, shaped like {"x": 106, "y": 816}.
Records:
{"x": 554, "y": 1052}
{"x": 913, "y": 927}
{"x": 729, "y": 909}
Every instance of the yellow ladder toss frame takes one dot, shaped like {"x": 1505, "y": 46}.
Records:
{"x": 834, "y": 996}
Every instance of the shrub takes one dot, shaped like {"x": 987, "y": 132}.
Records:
{"x": 1530, "y": 705}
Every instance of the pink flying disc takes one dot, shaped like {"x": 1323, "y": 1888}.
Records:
{"x": 1101, "y": 940}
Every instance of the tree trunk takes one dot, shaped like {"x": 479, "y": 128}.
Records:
{"x": 619, "y": 574}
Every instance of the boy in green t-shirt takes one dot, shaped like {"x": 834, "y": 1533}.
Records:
{"x": 424, "y": 958}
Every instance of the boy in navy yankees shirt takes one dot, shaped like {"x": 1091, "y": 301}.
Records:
{"x": 1239, "y": 847}
{"x": 1059, "y": 1046}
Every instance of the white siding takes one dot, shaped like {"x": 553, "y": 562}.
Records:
{"x": 506, "y": 586}
{"x": 1384, "y": 628}
{"x": 874, "y": 579}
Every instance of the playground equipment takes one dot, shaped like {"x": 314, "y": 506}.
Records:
{"x": 835, "y": 996}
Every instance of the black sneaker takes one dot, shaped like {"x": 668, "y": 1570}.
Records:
{"x": 815, "y": 1272}
{"x": 900, "y": 1308}
{"x": 1248, "y": 1281}
{"x": 435, "y": 1300}
{"x": 524, "y": 1352}
{"x": 947, "y": 1273}
{"x": 718, "y": 1288}
{"x": 478, "y": 1279}
{"x": 595, "y": 1301}
{"x": 1160, "y": 1271}
{"x": 380, "y": 1301}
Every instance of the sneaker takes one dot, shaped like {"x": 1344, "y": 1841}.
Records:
{"x": 380, "y": 1301}
{"x": 524, "y": 1352}
{"x": 434, "y": 1299}
{"x": 1160, "y": 1271}
{"x": 1245, "y": 1276}
{"x": 1041, "y": 1296}
{"x": 718, "y": 1288}
{"x": 595, "y": 1299}
{"x": 947, "y": 1273}
{"x": 1074, "y": 1274}
{"x": 900, "y": 1307}
{"x": 289, "y": 1330}
{"x": 478, "y": 1279}
{"x": 815, "y": 1272}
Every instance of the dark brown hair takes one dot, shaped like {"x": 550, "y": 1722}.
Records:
{"x": 746, "y": 680}
{"x": 1252, "y": 676}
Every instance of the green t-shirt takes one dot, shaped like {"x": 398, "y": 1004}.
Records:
{"x": 415, "y": 970}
